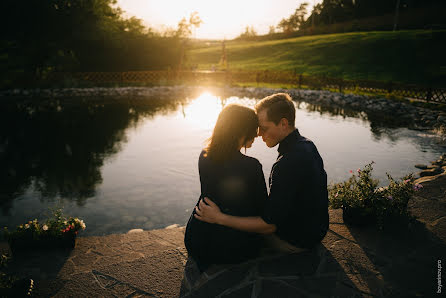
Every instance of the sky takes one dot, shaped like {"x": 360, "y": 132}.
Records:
{"x": 221, "y": 19}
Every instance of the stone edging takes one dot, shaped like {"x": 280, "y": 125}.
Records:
{"x": 432, "y": 172}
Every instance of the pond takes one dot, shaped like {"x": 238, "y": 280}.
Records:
{"x": 124, "y": 163}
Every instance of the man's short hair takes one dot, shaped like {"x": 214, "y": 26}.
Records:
{"x": 278, "y": 106}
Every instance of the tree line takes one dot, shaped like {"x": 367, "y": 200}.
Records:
{"x": 41, "y": 37}
{"x": 334, "y": 16}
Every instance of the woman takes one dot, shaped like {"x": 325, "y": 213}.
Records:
{"x": 235, "y": 182}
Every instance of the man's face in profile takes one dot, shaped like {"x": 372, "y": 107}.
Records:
{"x": 270, "y": 132}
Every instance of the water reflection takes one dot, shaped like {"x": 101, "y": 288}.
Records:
{"x": 122, "y": 163}
{"x": 204, "y": 110}
{"x": 57, "y": 147}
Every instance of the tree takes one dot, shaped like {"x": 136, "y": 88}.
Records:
{"x": 183, "y": 33}
{"x": 194, "y": 20}
{"x": 40, "y": 37}
{"x": 272, "y": 30}
{"x": 295, "y": 21}
{"x": 249, "y": 33}
{"x": 185, "y": 26}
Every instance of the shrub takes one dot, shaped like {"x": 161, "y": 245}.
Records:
{"x": 361, "y": 192}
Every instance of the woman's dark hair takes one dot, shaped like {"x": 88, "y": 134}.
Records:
{"x": 234, "y": 123}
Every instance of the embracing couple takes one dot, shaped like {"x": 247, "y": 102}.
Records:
{"x": 235, "y": 218}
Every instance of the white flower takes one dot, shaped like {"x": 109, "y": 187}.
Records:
{"x": 26, "y": 226}
{"x": 45, "y": 228}
{"x": 65, "y": 222}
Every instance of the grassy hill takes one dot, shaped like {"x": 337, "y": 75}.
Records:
{"x": 417, "y": 57}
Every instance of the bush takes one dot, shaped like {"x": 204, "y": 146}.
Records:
{"x": 361, "y": 193}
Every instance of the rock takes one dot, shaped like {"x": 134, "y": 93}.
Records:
{"x": 438, "y": 162}
{"x": 421, "y": 167}
{"x": 135, "y": 231}
{"x": 441, "y": 118}
{"x": 431, "y": 172}
{"x": 431, "y": 167}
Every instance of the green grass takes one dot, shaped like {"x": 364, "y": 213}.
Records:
{"x": 415, "y": 57}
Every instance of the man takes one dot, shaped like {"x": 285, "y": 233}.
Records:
{"x": 297, "y": 206}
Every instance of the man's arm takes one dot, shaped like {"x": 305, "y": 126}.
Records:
{"x": 209, "y": 212}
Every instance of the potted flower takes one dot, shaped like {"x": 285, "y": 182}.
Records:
{"x": 364, "y": 203}
{"x": 56, "y": 232}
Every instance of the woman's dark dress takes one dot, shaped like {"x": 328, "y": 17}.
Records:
{"x": 238, "y": 187}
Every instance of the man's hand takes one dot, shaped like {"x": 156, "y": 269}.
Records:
{"x": 208, "y": 211}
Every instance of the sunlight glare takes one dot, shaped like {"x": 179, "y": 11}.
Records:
{"x": 203, "y": 111}
{"x": 223, "y": 19}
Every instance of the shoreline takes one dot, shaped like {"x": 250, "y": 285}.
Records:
{"x": 408, "y": 115}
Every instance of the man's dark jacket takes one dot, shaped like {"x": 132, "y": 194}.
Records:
{"x": 298, "y": 199}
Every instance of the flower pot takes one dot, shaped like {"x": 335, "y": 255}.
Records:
{"x": 396, "y": 221}
{"x": 358, "y": 216}
{"x": 46, "y": 242}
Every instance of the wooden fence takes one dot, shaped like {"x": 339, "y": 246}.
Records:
{"x": 437, "y": 95}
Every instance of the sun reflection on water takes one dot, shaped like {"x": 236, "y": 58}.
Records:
{"x": 203, "y": 111}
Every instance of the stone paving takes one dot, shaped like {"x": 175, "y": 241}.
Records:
{"x": 350, "y": 262}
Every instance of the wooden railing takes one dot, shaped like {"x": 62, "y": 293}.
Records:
{"x": 426, "y": 93}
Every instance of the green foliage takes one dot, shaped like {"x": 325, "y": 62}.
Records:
{"x": 294, "y": 21}
{"x": 249, "y": 33}
{"x": 412, "y": 13}
{"x": 357, "y": 191}
{"x": 361, "y": 192}
{"x": 40, "y": 37}
{"x": 185, "y": 27}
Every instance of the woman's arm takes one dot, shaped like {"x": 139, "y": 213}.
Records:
{"x": 209, "y": 212}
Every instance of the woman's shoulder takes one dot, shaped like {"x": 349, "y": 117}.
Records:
{"x": 251, "y": 161}
{"x": 238, "y": 160}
